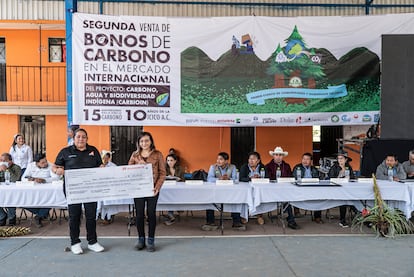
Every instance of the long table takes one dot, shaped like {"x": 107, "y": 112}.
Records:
{"x": 182, "y": 197}
{"x": 244, "y": 198}
{"x": 267, "y": 196}
{"x": 36, "y": 196}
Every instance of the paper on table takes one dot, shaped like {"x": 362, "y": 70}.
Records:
{"x": 260, "y": 180}
{"x": 224, "y": 182}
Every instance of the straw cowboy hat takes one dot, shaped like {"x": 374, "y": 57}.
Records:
{"x": 278, "y": 150}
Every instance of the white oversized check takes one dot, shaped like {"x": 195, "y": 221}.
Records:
{"x": 108, "y": 183}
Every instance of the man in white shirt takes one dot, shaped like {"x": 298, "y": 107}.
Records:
{"x": 40, "y": 171}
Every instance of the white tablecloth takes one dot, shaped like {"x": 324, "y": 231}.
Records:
{"x": 266, "y": 196}
{"x": 37, "y": 196}
{"x": 181, "y": 197}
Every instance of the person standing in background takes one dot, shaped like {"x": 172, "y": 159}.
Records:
{"x": 71, "y": 131}
{"x": 21, "y": 153}
{"x": 146, "y": 153}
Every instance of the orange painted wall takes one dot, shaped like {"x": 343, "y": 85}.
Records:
{"x": 56, "y": 135}
{"x": 22, "y": 46}
{"x": 196, "y": 146}
{"x": 10, "y": 125}
{"x": 295, "y": 140}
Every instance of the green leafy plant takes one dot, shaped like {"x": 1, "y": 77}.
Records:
{"x": 383, "y": 220}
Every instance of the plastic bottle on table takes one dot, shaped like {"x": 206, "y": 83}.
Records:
{"x": 347, "y": 173}
{"x": 7, "y": 177}
{"x": 278, "y": 173}
{"x": 237, "y": 176}
{"x": 262, "y": 173}
{"x": 390, "y": 174}
{"x": 298, "y": 175}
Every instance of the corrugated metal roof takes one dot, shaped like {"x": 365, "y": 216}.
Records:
{"x": 55, "y": 9}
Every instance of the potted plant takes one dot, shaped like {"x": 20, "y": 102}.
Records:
{"x": 383, "y": 220}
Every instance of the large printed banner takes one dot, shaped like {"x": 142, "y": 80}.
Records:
{"x": 229, "y": 71}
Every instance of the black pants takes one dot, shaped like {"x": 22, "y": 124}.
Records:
{"x": 152, "y": 216}
{"x": 75, "y": 212}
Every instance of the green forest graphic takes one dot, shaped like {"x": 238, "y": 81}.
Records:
{"x": 221, "y": 86}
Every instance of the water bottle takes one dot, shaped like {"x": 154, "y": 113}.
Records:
{"x": 347, "y": 173}
{"x": 262, "y": 173}
{"x": 217, "y": 173}
{"x": 390, "y": 174}
{"x": 7, "y": 177}
{"x": 278, "y": 173}
{"x": 237, "y": 176}
{"x": 298, "y": 175}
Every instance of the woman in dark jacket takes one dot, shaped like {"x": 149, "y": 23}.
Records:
{"x": 340, "y": 169}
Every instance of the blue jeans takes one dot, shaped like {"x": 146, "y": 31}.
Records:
{"x": 11, "y": 213}
{"x": 40, "y": 212}
{"x": 211, "y": 218}
{"x": 288, "y": 209}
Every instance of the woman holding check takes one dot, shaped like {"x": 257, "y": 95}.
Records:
{"x": 145, "y": 154}
{"x": 76, "y": 156}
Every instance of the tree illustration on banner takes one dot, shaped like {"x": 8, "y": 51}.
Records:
{"x": 295, "y": 66}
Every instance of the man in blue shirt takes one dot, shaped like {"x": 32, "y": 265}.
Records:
{"x": 222, "y": 170}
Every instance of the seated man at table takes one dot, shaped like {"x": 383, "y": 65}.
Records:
{"x": 390, "y": 162}
{"x": 252, "y": 169}
{"x": 307, "y": 170}
{"x": 222, "y": 170}
{"x": 278, "y": 166}
{"x": 6, "y": 164}
{"x": 39, "y": 171}
{"x": 409, "y": 165}
{"x": 338, "y": 170}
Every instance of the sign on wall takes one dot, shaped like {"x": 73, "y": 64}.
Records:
{"x": 229, "y": 71}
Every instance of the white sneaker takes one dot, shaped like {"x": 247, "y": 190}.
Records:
{"x": 76, "y": 249}
{"x": 96, "y": 247}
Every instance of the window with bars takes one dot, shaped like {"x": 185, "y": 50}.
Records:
{"x": 2, "y": 50}
{"x": 57, "y": 50}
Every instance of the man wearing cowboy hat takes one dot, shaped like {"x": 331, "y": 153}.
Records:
{"x": 278, "y": 163}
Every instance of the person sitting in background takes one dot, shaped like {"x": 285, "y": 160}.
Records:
{"x": 390, "y": 162}
{"x": 222, "y": 170}
{"x": 20, "y": 152}
{"x": 174, "y": 171}
{"x": 278, "y": 164}
{"x": 6, "y": 164}
{"x": 106, "y": 162}
{"x": 107, "y": 159}
{"x": 40, "y": 171}
{"x": 308, "y": 171}
{"x": 252, "y": 169}
{"x": 339, "y": 170}
{"x": 408, "y": 166}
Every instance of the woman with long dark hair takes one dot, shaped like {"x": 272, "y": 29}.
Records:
{"x": 21, "y": 153}
{"x": 145, "y": 154}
